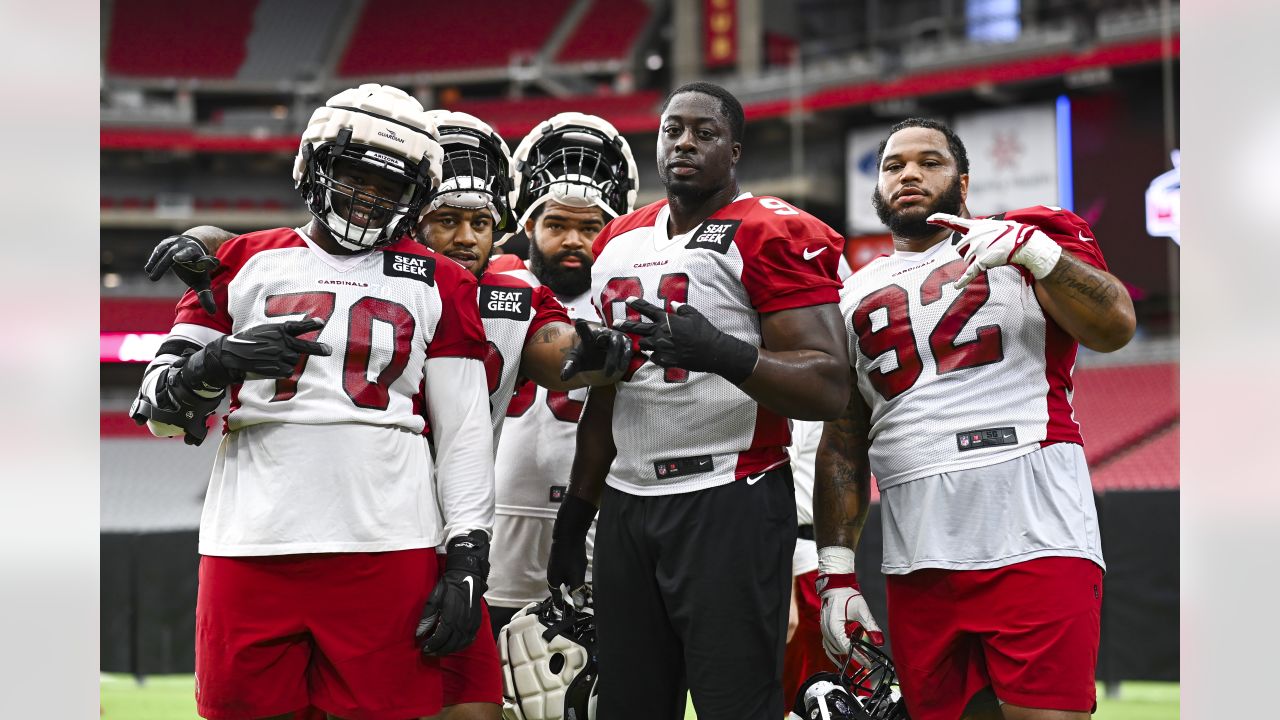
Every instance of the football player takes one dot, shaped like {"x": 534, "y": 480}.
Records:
{"x": 734, "y": 300}
{"x": 528, "y": 333}
{"x": 338, "y": 342}
{"x": 575, "y": 173}
{"x": 963, "y": 342}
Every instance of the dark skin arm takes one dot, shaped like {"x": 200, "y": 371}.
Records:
{"x": 1090, "y": 304}
{"x": 211, "y": 236}
{"x": 803, "y": 370}
{"x": 842, "y": 477}
{"x": 595, "y": 451}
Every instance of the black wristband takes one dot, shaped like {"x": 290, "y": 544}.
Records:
{"x": 573, "y": 521}
{"x": 469, "y": 553}
{"x": 736, "y": 359}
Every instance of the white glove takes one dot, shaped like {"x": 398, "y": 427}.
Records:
{"x": 992, "y": 243}
{"x": 844, "y": 611}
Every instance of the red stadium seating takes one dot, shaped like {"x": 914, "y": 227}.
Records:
{"x": 161, "y": 38}
{"x": 1120, "y": 406}
{"x": 606, "y": 32}
{"x": 1153, "y": 465}
{"x": 393, "y": 36}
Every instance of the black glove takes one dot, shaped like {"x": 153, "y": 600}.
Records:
{"x": 598, "y": 348}
{"x": 686, "y": 339}
{"x": 190, "y": 261}
{"x": 272, "y": 350}
{"x": 177, "y": 404}
{"x": 567, "y": 564}
{"x": 451, "y": 617}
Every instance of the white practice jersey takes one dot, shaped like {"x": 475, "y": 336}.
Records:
{"x": 333, "y": 458}
{"x": 512, "y": 311}
{"x": 960, "y": 379}
{"x": 678, "y": 431}
{"x": 532, "y": 475}
{"x": 974, "y": 444}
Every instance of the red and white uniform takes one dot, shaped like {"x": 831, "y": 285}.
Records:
{"x": 753, "y": 256}
{"x": 512, "y": 310}
{"x": 531, "y": 472}
{"x": 333, "y": 459}
{"x": 991, "y": 542}
{"x": 961, "y": 380}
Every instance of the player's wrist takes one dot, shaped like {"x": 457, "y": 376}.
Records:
{"x": 735, "y": 359}
{"x": 835, "y": 560}
{"x": 1039, "y": 254}
{"x": 469, "y": 553}
{"x": 573, "y": 521}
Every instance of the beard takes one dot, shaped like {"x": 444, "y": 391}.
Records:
{"x": 912, "y": 223}
{"x": 563, "y": 281}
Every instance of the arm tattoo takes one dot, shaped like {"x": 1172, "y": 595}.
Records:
{"x": 842, "y": 485}
{"x": 1084, "y": 280}
{"x": 547, "y": 334}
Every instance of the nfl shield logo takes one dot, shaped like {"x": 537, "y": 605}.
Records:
{"x": 662, "y": 470}
{"x": 964, "y": 441}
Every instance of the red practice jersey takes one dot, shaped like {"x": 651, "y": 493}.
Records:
{"x": 679, "y": 431}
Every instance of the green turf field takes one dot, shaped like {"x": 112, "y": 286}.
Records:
{"x": 170, "y": 697}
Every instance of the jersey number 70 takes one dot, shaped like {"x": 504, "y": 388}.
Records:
{"x": 356, "y": 355}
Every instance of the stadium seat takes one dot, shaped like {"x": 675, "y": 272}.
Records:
{"x": 1152, "y": 465}
{"x": 393, "y": 36}
{"x": 607, "y": 31}
{"x": 1118, "y": 407}
{"x": 213, "y": 37}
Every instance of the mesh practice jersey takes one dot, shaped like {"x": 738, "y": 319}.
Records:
{"x": 959, "y": 379}
{"x": 333, "y": 458}
{"x": 512, "y": 311}
{"x": 532, "y": 476}
{"x": 678, "y": 431}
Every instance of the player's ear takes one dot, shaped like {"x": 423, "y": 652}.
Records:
{"x": 964, "y": 188}
{"x": 736, "y": 152}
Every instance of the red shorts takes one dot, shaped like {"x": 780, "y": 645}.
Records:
{"x": 804, "y": 654}
{"x": 473, "y": 674}
{"x": 275, "y": 634}
{"x": 1028, "y": 630}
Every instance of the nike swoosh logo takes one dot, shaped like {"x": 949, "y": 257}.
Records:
{"x": 753, "y": 479}
{"x": 811, "y": 255}
{"x": 470, "y": 589}
{"x": 234, "y": 339}
{"x": 1083, "y": 238}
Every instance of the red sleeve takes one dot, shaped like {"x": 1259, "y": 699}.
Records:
{"x": 546, "y": 309}
{"x": 1066, "y": 228}
{"x": 459, "y": 332}
{"x": 792, "y": 265}
{"x": 506, "y": 263}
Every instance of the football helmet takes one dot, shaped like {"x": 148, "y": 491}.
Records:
{"x": 476, "y": 169}
{"x": 549, "y": 664}
{"x": 577, "y": 160}
{"x": 375, "y": 129}
{"x": 858, "y": 691}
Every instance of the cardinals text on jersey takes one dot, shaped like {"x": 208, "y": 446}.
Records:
{"x": 679, "y": 431}
{"x": 959, "y": 379}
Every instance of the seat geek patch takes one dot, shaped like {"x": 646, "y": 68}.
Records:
{"x": 505, "y": 302}
{"x": 715, "y": 235}
{"x": 415, "y": 267}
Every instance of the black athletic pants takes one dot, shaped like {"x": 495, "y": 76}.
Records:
{"x": 692, "y": 592}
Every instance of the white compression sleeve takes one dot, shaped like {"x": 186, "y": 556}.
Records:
{"x": 458, "y": 409}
